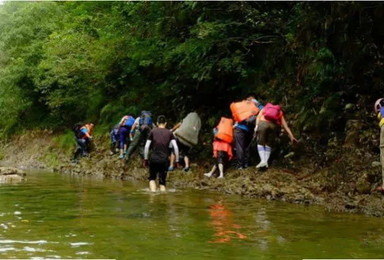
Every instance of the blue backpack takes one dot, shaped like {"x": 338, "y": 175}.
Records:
{"x": 145, "y": 121}
{"x": 130, "y": 121}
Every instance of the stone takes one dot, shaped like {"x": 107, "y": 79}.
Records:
{"x": 376, "y": 164}
{"x": 11, "y": 171}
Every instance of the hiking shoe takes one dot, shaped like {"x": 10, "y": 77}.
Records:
{"x": 261, "y": 165}
{"x": 220, "y": 177}
{"x": 111, "y": 153}
{"x": 170, "y": 169}
{"x": 121, "y": 156}
{"x": 208, "y": 174}
{"x": 381, "y": 189}
{"x": 186, "y": 169}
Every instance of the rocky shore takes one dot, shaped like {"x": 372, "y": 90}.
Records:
{"x": 340, "y": 187}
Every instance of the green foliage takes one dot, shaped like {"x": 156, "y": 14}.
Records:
{"x": 64, "y": 62}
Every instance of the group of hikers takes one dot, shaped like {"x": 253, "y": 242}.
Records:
{"x": 250, "y": 121}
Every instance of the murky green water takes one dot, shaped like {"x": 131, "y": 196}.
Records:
{"x": 55, "y": 216}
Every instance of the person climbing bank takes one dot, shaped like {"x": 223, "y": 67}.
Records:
{"x": 268, "y": 120}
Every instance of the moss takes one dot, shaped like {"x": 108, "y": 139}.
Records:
{"x": 51, "y": 159}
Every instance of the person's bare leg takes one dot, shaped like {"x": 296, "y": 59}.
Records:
{"x": 171, "y": 162}
{"x": 152, "y": 186}
{"x": 221, "y": 170}
{"x": 186, "y": 160}
{"x": 209, "y": 174}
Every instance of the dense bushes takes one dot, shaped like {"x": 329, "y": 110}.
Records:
{"x": 65, "y": 62}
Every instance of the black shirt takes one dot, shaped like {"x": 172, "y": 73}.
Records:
{"x": 160, "y": 139}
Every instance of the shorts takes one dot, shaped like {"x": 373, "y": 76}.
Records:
{"x": 266, "y": 133}
{"x": 183, "y": 149}
{"x": 160, "y": 169}
{"x": 222, "y": 157}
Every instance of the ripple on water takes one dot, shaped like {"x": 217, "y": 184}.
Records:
{"x": 77, "y": 244}
{"x": 39, "y": 242}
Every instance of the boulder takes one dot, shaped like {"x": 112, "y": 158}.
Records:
{"x": 11, "y": 171}
{"x": 10, "y": 178}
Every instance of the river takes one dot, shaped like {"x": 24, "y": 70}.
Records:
{"x": 57, "y": 216}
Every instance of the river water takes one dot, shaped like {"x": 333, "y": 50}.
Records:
{"x": 57, "y": 216}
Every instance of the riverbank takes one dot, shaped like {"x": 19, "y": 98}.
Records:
{"x": 347, "y": 185}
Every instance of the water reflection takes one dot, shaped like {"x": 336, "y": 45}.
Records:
{"x": 223, "y": 224}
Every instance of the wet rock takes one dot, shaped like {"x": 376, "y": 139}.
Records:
{"x": 11, "y": 171}
{"x": 10, "y": 178}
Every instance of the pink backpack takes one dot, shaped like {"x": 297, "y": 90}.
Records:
{"x": 272, "y": 112}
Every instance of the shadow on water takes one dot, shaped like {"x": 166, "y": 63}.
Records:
{"x": 58, "y": 216}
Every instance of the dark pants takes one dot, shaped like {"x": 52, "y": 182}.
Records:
{"x": 82, "y": 147}
{"x": 158, "y": 168}
{"x": 114, "y": 140}
{"x": 242, "y": 140}
{"x": 123, "y": 134}
{"x": 139, "y": 140}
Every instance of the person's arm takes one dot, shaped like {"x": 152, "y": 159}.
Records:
{"x": 175, "y": 149}
{"x": 176, "y": 126}
{"x": 258, "y": 118}
{"x": 132, "y": 131}
{"x": 286, "y": 128}
{"x": 146, "y": 149}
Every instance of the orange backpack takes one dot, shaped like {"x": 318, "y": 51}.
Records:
{"x": 243, "y": 110}
{"x": 225, "y": 130}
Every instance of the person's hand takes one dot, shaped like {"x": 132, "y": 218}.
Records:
{"x": 293, "y": 140}
{"x": 145, "y": 163}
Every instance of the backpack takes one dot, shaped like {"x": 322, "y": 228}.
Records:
{"x": 272, "y": 112}
{"x": 145, "y": 122}
{"x": 77, "y": 130}
{"x": 243, "y": 110}
{"x": 129, "y": 121}
{"x": 188, "y": 132}
{"x": 225, "y": 130}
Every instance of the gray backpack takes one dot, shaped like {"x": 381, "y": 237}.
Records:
{"x": 188, "y": 132}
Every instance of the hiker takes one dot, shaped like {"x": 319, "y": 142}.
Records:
{"x": 268, "y": 120}
{"x": 115, "y": 139}
{"x": 83, "y": 136}
{"x": 139, "y": 133}
{"x": 222, "y": 146}
{"x": 379, "y": 109}
{"x": 244, "y": 113}
{"x": 159, "y": 140}
{"x": 125, "y": 126}
{"x": 187, "y": 135}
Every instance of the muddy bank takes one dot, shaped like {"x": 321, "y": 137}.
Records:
{"x": 347, "y": 185}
